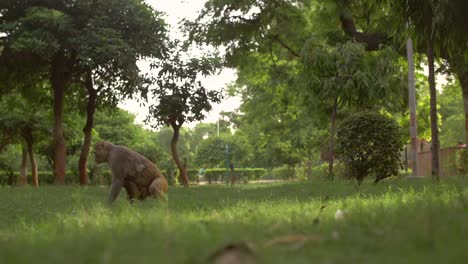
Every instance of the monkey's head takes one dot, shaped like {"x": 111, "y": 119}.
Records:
{"x": 101, "y": 151}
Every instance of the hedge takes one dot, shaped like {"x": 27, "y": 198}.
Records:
{"x": 45, "y": 177}
{"x": 242, "y": 174}
{"x": 103, "y": 176}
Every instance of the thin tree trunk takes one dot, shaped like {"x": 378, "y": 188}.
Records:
{"x": 233, "y": 176}
{"x": 59, "y": 78}
{"x": 332, "y": 140}
{"x": 28, "y": 136}
{"x": 433, "y": 111}
{"x": 87, "y": 130}
{"x": 32, "y": 159}
{"x": 412, "y": 107}
{"x": 23, "y": 175}
{"x": 175, "y": 155}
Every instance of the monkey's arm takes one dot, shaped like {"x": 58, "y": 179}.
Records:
{"x": 117, "y": 184}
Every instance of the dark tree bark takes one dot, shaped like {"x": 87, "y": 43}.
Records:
{"x": 412, "y": 107}
{"x": 464, "y": 85}
{"x": 175, "y": 155}
{"x": 332, "y": 140}
{"x": 462, "y": 73}
{"x": 371, "y": 40}
{"x": 29, "y": 138}
{"x": 433, "y": 111}
{"x": 60, "y": 75}
{"x": 32, "y": 159}
{"x": 87, "y": 130}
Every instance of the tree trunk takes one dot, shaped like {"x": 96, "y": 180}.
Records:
{"x": 433, "y": 111}
{"x": 23, "y": 175}
{"x": 463, "y": 77}
{"x": 87, "y": 130}
{"x": 233, "y": 176}
{"x": 59, "y": 78}
{"x": 412, "y": 107}
{"x": 309, "y": 166}
{"x": 175, "y": 155}
{"x": 28, "y": 136}
{"x": 332, "y": 140}
{"x": 32, "y": 159}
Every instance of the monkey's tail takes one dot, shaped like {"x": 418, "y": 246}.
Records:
{"x": 158, "y": 188}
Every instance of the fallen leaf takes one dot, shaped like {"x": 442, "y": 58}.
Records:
{"x": 295, "y": 241}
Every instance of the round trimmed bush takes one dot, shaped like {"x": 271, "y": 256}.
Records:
{"x": 369, "y": 143}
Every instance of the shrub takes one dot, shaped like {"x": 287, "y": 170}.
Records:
{"x": 192, "y": 174}
{"x": 171, "y": 174}
{"x": 320, "y": 171}
{"x": 284, "y": 172}
{"x": 369, "y": 143}
{"x": 7, "y": 175}
{"x": 215, "y": 174}
{"x": 250, "y": 173}
{"x": 243, "y": 174}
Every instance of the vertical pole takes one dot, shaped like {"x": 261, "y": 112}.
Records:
{"x": 227, "y": 163}
{"x": 406, "y": 160}
{"x": 412, "y": 108}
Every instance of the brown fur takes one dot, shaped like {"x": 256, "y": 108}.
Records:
{"x": 139, "y": 176}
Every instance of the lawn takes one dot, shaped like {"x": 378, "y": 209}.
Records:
{"x": 407, "y": 221}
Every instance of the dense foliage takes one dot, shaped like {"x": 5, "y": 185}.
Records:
{"x": 301, "y": 67}
{"x": 369, "y": 144}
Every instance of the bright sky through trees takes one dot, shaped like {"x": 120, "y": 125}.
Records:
{"x": 176, "y": 10}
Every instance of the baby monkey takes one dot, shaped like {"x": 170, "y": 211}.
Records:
{"x": 139, "y": 176}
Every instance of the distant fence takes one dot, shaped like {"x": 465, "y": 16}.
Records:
{"x": 447, "y": 162}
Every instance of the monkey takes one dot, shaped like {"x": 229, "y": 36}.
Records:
{"x": 130, "y": 170}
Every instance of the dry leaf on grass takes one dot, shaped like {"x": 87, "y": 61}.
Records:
{"x": 293, "y": 241}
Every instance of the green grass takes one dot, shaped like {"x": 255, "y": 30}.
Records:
{"x": 409, "y": 221}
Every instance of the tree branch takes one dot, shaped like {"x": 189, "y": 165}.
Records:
{"x": 284, "y": 45}
{"x": 372, "y": 40}
{"x": 270, "y": 46}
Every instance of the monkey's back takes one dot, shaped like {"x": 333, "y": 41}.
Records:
{"x": 137, "y": 167}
